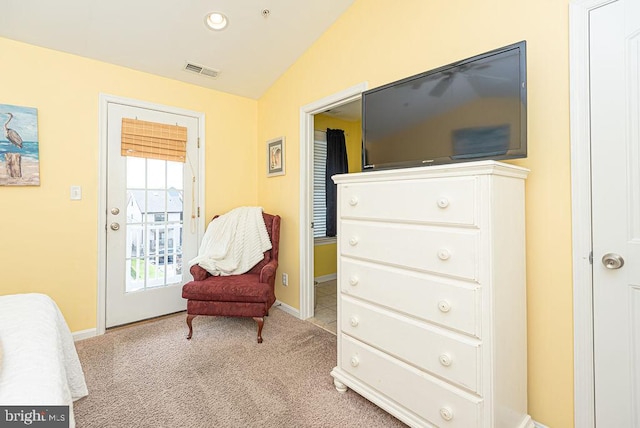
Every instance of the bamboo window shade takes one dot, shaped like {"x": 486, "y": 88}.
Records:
{"x": 153, "y": 140}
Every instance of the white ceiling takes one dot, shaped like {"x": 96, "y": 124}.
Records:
{"x": 161, "y": 36}
{"x": 351, "y": 112}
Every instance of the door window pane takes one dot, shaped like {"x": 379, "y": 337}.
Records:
{"x": 136, "y": 274}
{"x": 156, "y": 177}
{"x": 175, "y": 174}
{"x": 135, "y": 172}
{"x": 135, "y": 241}
{"x": 154, "y": 224}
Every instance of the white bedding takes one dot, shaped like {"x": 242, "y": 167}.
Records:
{"x": 39, "y": 364}
{"x": 233, "y": 242}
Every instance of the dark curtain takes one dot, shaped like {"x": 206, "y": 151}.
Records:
{"x": 336, "y": 164}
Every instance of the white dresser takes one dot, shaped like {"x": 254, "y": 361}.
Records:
{"x": 432, "y": 300}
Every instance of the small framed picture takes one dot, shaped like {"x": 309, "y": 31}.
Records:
{"x": 275, "y": 157}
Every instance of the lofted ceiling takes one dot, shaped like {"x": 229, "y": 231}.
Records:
{"x": 162, "y": 36}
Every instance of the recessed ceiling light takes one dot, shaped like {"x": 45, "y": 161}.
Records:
{"x": 216, "y": 21}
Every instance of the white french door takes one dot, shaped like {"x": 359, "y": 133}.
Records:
{"x": 614, "y": 44}
{"x": 151, "y": 222}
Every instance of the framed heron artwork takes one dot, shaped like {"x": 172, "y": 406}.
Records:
{"x": 19, "y": 154}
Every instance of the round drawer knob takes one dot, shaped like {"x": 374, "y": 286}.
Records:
{"x": 444, "y": 254}
{"x": 353, "y": 201}
{"x": 444, "y": 306}
{"x": 354, "y": 321}
{"x": 355, "y": 361}
{"x": 445, "y": 360}
{"x": 446, "y": 413}
{"x": 353, "y": 241}
{"x": 354, "y": 280}
{"x": 443, "y": 202}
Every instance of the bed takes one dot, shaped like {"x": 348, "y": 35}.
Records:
{"x": 38, "y": 360}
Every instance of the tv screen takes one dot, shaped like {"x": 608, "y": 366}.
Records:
{"x": 472, "y": 109}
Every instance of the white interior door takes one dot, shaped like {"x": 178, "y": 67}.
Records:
{"x": 151, "y": 222}
{"x": 615, "y": 116}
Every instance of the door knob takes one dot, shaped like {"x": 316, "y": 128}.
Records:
{"x": 115, "y": 226}
{"x": 612, "y": 261}
{"x": 115, "y": 211}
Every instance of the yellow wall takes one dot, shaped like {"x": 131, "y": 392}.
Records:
{"x": 324, "y": 257}
{"x": 49, "y": 243}
{"x": 324, "y": 260}
{"x": 379, "y": 41}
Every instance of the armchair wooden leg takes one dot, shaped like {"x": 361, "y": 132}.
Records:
{"x": 260, "y": 321}
{"x": 189, "y": 323}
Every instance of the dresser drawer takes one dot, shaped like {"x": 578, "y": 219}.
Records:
{"x": 440, "y": 201}
{"x": 429, "y": 398}
{"x": 452, "y": 252}
{"x": 443, "y": 301}
{"x": 434, "y": 350}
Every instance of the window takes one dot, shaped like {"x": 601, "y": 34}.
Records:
{"x": 319, "y": 189}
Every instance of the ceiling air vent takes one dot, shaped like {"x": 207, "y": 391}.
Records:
{"x": 200, "y": 69}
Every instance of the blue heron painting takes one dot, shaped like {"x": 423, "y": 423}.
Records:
{"x": 19, "y": 147}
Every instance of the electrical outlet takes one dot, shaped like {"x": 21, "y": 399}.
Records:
{"x": 285, "y": 279}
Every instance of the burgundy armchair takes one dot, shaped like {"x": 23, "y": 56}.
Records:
{"x": 248, "y": 295}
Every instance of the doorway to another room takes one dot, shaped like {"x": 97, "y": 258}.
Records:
{"x": 319, "y": 284}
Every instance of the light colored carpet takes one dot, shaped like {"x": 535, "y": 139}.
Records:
{"x": 149, "y": 375}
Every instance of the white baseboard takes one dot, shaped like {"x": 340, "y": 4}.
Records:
{"x": 92, "y": 332}
{"x": 325, "y": 278}
{"x": 84, "y": 334}
{"x": 539, "y": 425}
{"x": 288, "y": 309}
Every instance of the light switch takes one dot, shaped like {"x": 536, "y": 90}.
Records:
{"x": 76, "y": 193}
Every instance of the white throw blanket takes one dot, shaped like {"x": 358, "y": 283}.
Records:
{"x": 233, "y": 242}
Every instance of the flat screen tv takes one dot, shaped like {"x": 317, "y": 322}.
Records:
{"x": 473, "y": 109}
